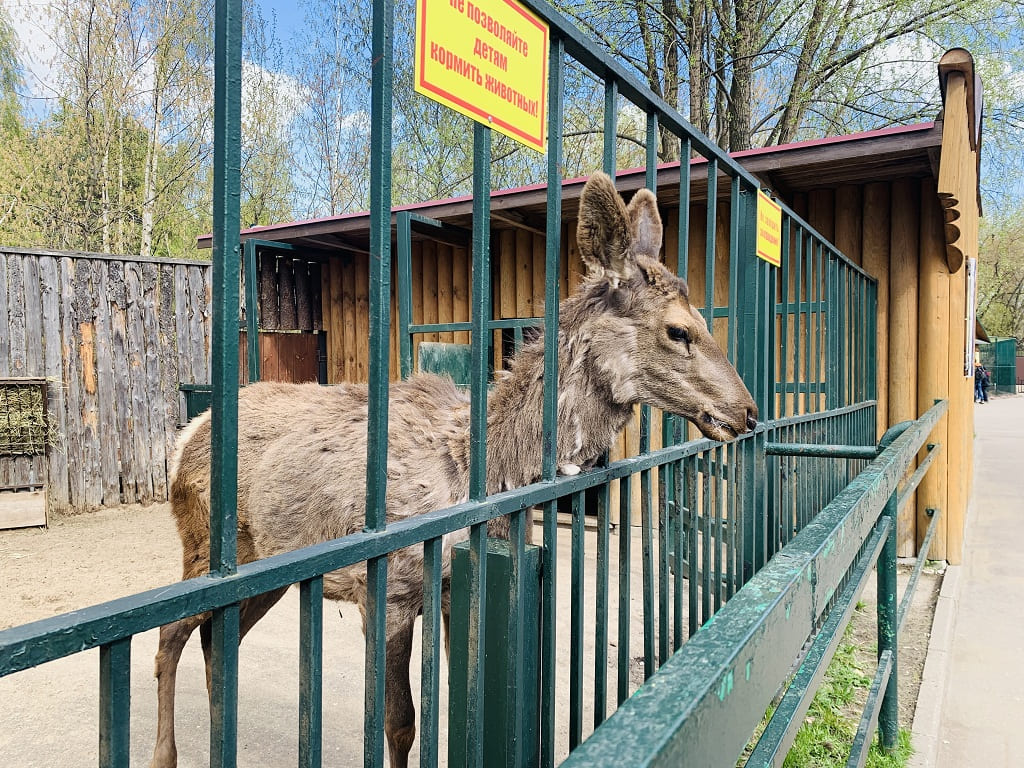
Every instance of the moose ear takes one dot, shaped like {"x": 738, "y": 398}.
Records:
{"x": 603, "y": 231}
{"x": 645, "y": 225}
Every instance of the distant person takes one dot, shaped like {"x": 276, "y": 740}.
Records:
{"x": 979, "y": 390}
{"x": 986, "y": 382}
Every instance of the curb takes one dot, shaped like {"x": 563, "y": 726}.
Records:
{"x": 928, "y": 713}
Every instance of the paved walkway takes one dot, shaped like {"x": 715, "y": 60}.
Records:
{"x": 981, "y": 718}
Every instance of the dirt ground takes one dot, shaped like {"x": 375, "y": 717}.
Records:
{"x": 49, "y": 715}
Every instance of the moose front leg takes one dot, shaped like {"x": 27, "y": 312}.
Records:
{"x": 399, "y": 712}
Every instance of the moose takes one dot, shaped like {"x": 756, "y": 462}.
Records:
{"x": 628, "y": 335}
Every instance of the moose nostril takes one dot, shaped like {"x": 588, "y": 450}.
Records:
{"x": 751, "y": 420}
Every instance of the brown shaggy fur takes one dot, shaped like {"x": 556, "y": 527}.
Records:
{"x": 627, "y": 336}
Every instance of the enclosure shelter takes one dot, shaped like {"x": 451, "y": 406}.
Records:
{"x": 902, "y": 203}
{"x": 756, "y": 537}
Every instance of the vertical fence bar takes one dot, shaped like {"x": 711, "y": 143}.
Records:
{"x": 647, "y": 548}
{"x": 601, "y": 606}
{"x": 377, "y": 406}
{"x": 709, "y": 245}
{"x": 311, "y": 633}
{"x": 678, "y": 562}
{"x": 611, "y": 110}
{"x": 516, "y": 634}
{"x": 552, "y": 253}
{"x": 431, "y": 654}
{"x": 403, "y": 225}
{"x": 548, "y": 637}
{"x": 115, "y": 704}
{"x": 887, "y": 626}
{"x": 224, "y": 370}
{"x": 798, "y": 317}
{"x": 625, "y": 534}
{"x": 692, "y": 554}
{"x": 665, "y": 498}
{"x": 252, "y": 311}
{"x": 705, "y": 538}
{"x": 576, "y": 627}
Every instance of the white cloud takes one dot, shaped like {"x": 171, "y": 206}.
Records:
{"x": 33, "y": 22}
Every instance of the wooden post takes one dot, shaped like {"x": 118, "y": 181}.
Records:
{"x": 821, "y": 212}
{"x": 933, "y": 365}
{"x": 875, "y": 253}
{"x": 903, "y": 276}
{"x": 961, "y": 401}
{"x": 849, "y": 222}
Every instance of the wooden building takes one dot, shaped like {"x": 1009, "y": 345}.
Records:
{"x": 901, "y": 202}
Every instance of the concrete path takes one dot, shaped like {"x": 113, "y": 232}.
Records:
{"x": 978, "y": 635}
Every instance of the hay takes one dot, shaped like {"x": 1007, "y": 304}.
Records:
{"x": 24, "y": 430}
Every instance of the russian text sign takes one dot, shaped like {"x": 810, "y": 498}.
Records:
{"x": 769, "y": 229}
{"x": 487, "y": 59}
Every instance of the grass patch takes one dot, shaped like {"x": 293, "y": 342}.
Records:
{"x": 826, "y": 736}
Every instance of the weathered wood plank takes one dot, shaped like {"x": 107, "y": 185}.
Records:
{"x": 316, "y": 300}
{"x": 117, "y": 295}
{"x": 444, "y": 289}
{"x": 106, "y": 390}
{"x": 286, "y": 294}
{"x": 270, "y": 312}
{"x": 303, "y": 297}
{"x": 506, "y": 288}
{"x": 86, "y": 288}
{"x": 15, "y": 329}
{"x": 36, "y": 467}
{"x": 57, "y": 457}
{"x": 157, "y": 435}
{"x": 73, "y": 383}
{"x": 168, "y": 357}
{"x": 199, "y": 311}
{"x": 347, "y": 281}
{"x": 181, "y": 334}
{"x": 141, "y": 454}
{"x": 362, "y": 290}
{"x": 460, "y": 291}
{"x": 537, "y": 248}
{"x": 428, "y": 286}
{"x": 334, "y": 314}
{"x": 524, "y": 274}
{"x": 5, "y": 339}
{"x": 18, "y": 467}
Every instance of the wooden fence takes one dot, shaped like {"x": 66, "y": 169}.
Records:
{"x": 113, "y": 336}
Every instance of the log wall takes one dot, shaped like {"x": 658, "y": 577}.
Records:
{"x": 113, "y": 336}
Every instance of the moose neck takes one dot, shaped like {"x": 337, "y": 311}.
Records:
{"x": 590, "y": 414}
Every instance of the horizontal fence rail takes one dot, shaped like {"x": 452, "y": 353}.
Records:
{"x": 722, "y": 680}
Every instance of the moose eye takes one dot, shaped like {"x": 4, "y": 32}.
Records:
{"x": 676, "y": 333}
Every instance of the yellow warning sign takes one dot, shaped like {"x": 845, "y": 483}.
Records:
{"x": 769, "y": 229}
{"x": 487, "y": 59}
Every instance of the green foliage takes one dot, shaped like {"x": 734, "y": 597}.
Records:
{"x": 1001, "y": 274}
{"x": 826, "y": 735}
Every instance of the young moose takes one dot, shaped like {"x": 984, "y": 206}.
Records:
{"x": 628, "y": 336}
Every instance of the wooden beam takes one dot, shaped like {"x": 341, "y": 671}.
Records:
{"x": 875, "y": 253}
{"x": 933, "y": 366}
{"x": 903, "y": 347}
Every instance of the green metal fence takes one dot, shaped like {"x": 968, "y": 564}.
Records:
{"x": 752, "y": 534}
{"x": 1000, "y": 358}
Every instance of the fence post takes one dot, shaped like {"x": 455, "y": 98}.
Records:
{"x": 500, "y": 686}
{"x": 888, "y": 721}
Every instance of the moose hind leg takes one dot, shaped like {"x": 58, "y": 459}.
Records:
{"x": 399, "y": 712}
{"x": 172, "y": 640}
